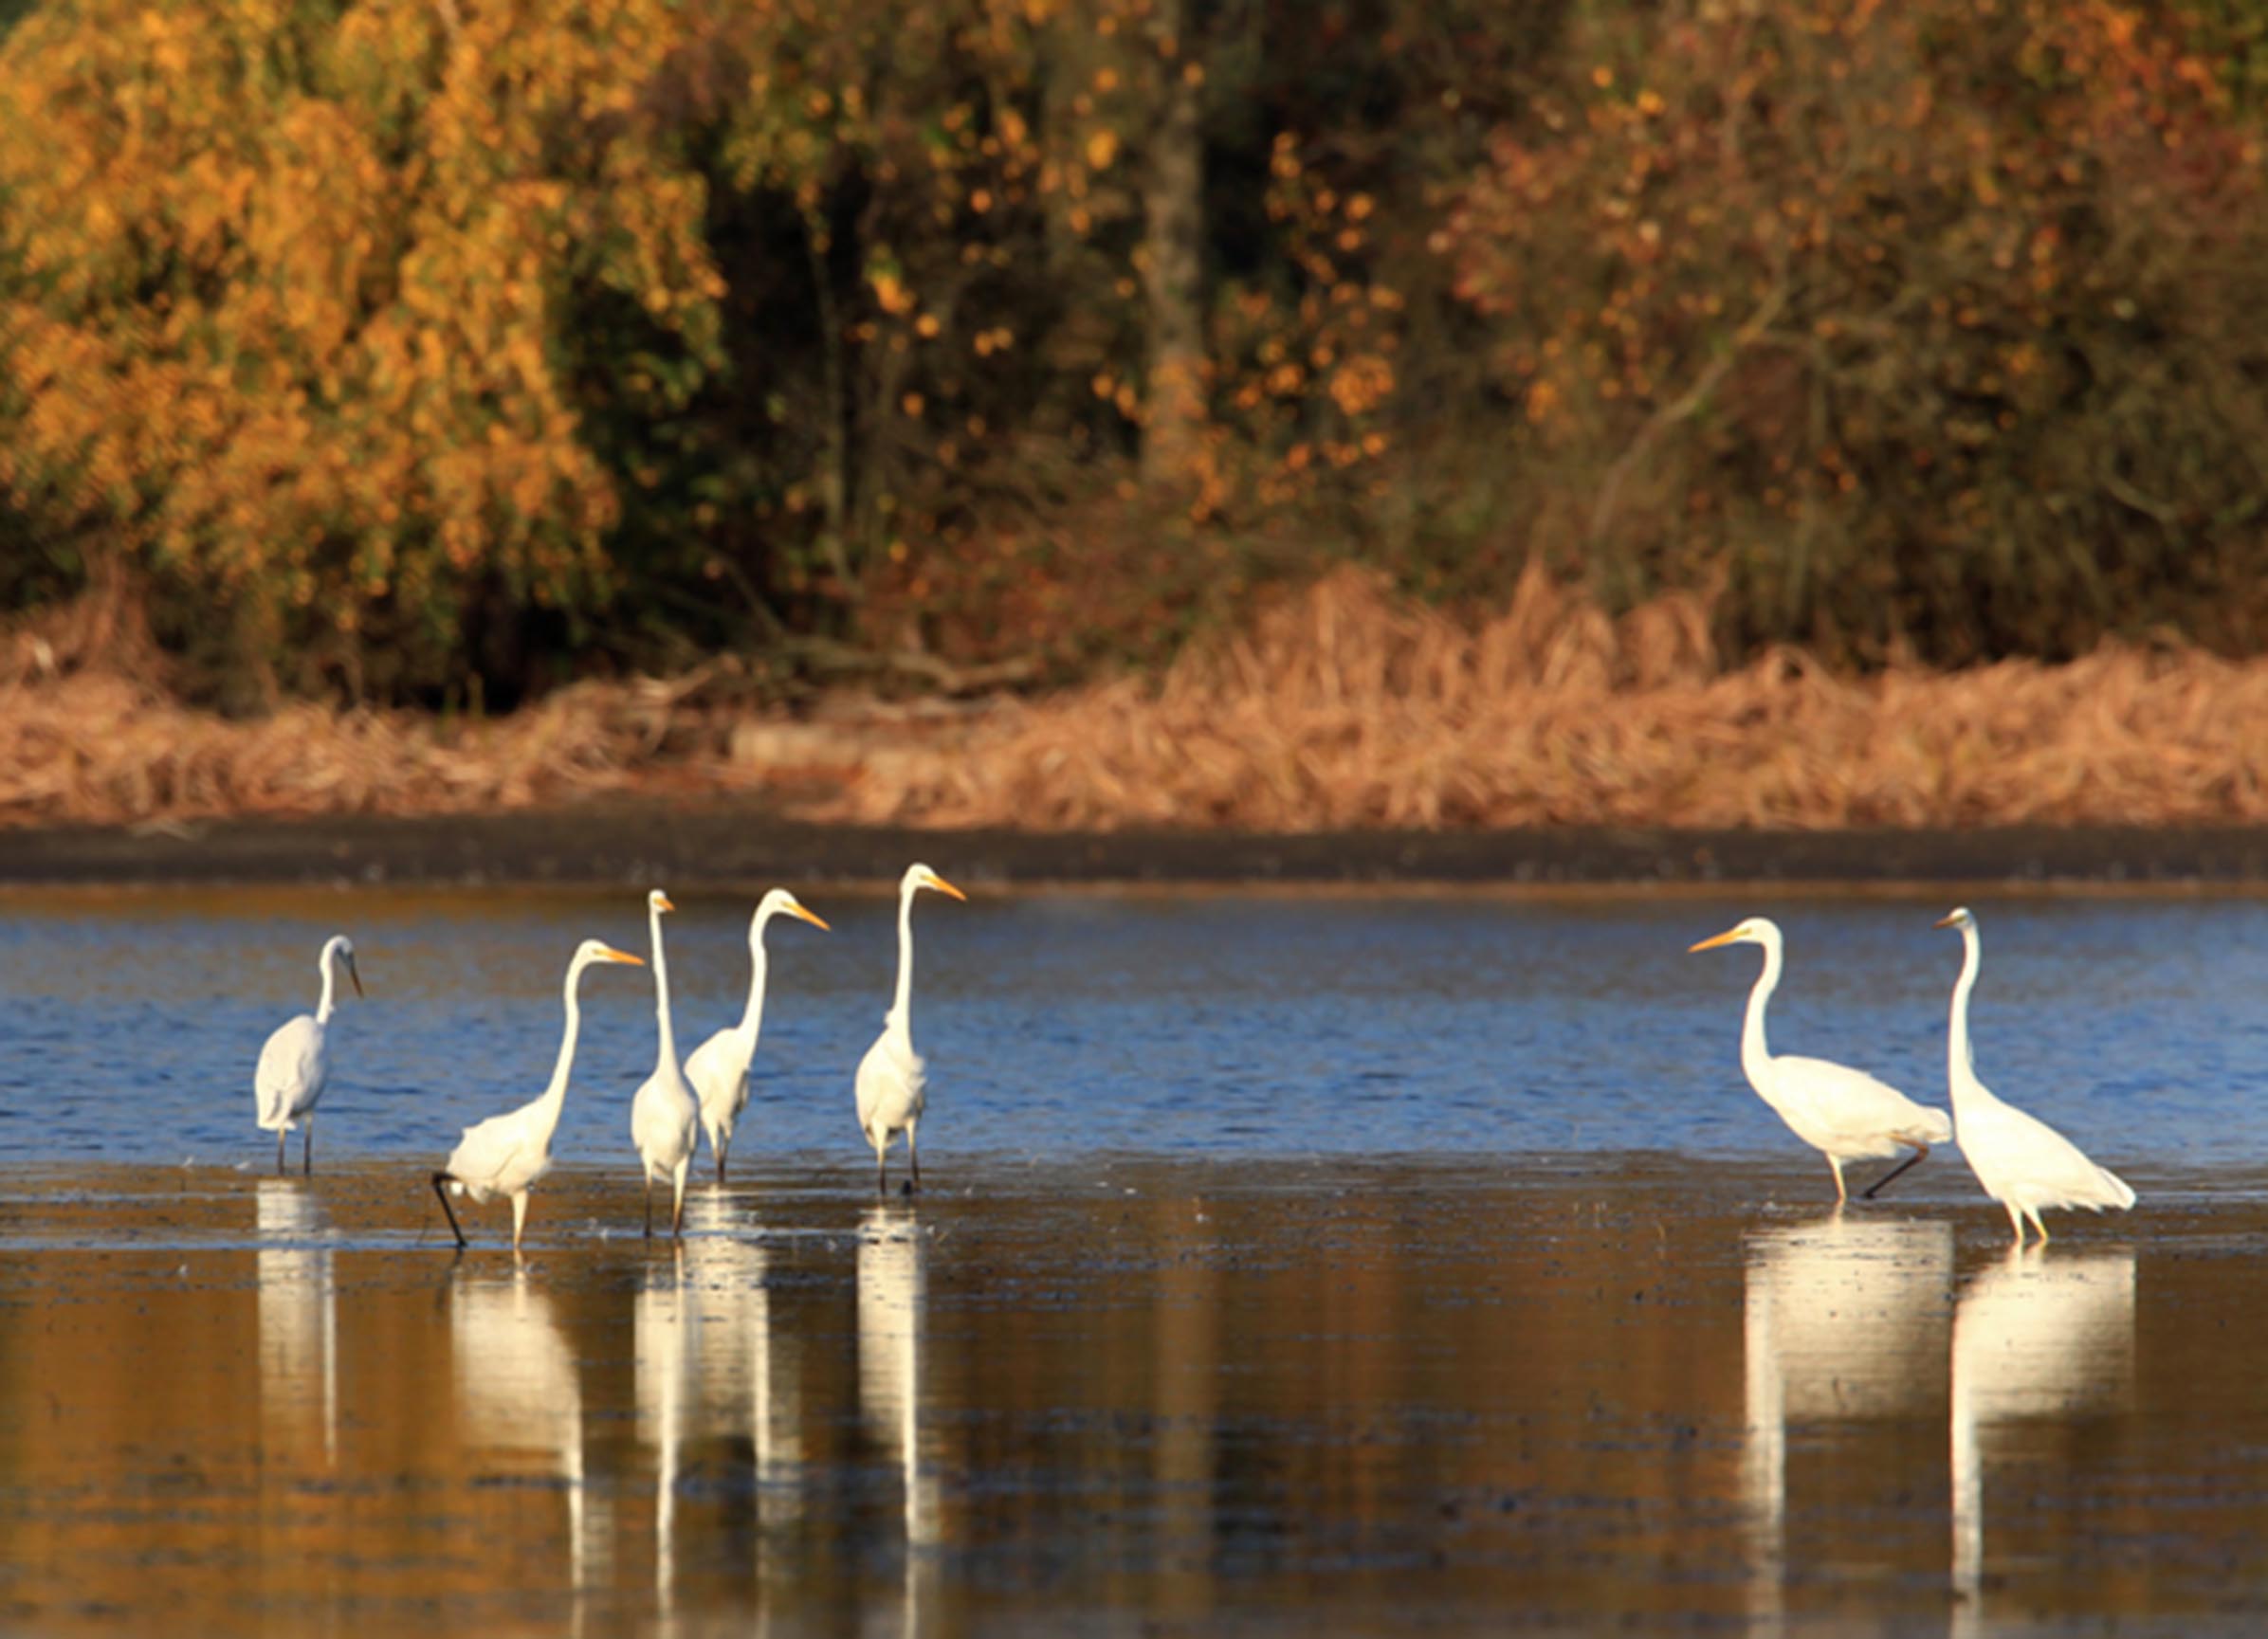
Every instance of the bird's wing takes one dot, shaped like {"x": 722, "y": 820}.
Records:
{"x": 659, "y": 1116}
{"x": 1854, "y": 1106}
{"x": 290, "y": 1074}
{"x": 718, "y": 1073}
{"x": 485, "y": 1155}
{"x": 2035, "y": 1158}
{"x": 890, "y": 1079}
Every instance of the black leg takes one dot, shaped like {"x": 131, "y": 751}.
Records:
{"x": 441, "y": 1194}
{"x": 721, "y": 1166}
{"x": 914, "y": 1157}
{"x": 283, "y": 1138}
{"x": 649, "y": 1206}
{"x": 307, "y": 1153}
{"x": 1878, "y": 1185}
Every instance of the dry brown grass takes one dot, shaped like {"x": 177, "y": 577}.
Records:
{"x": 89, "y": 734}
{"x": 1342, "y": 707}
{"x": 1345, "y": 708}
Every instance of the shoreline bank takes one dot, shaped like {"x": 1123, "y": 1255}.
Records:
{"x": 618, "y": 841}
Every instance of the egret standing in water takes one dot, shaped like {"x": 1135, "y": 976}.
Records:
{"x": 1845, "y": 1114}
{"x": 889, "y": 1077}
{"x": 2023, "y": 1162}
{"x": 296, "y": 1062}
{"x": 665, "y": 1118}
{"x": 718, "y": 1067}
{"x": 506, "y": 1154}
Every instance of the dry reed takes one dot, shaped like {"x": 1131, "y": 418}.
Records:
{"x": 1345, "y": 708}
{"x": 1342, "y": 707}
{"x": 90, "y": 735}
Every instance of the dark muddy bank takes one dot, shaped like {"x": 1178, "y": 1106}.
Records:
{"x": 606, "y": 843}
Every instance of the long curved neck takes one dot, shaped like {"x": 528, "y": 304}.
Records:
{"x": 1960, "y": 1061}
{"x": 328, "y": 964}
{"x": 667, "y": 1052}
{"x": 752, "y": 1016}
{"x": 1755, "y": 1055}
{"x": 555, "y": 1096}
{"x": 900, "y": 1012}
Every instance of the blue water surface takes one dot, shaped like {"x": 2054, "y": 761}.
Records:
{"x": 1211, "y": 1024}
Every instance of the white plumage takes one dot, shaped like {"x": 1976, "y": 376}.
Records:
{"x": 296, "y": 1063}
{"x": 1844, "y": 1114}
{"x": 718, "y": 1067}
{"x": 506, "y": 1155}
{"x": 2023, "y": 1162}
{"x": 665, "y": 1118}
{"x": 890, "y": 1079}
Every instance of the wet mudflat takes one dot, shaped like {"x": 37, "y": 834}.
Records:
{"x": 1130, "y": 1393}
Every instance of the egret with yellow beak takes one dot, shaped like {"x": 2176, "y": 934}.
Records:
{"x": 1844, "y": 1114}
{"x": 506, "y": 1155}
{"x": 890, "y": 1078}
{"x": 718, "y": 1067}
{"x": 2023, "y": 1162}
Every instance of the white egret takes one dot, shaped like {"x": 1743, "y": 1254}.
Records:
{"x": 296, "y": 1062}
{"x": 665, "y": 1118}
{"x": 2023, "y": 1162}
{"x": 718, "y": 1067}
{"x": 1845, "y": 1114}
{"x": 506, "y": 1155}
{"x": 889, "y": 1077}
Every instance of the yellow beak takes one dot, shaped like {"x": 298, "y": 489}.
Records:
{"x": 1709, "y": 945}
{"x": 1945, "y": 922}
{"x": 944, "y": 886}
{"x": 612, "y": 955}
{"x": 665, "y": 904}
{"x": 810, "y": 918}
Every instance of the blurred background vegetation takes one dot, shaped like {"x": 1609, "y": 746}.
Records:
{"x": 439, "y": 351}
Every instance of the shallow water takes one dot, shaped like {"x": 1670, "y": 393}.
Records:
{"x": 1216, "y": 1025}
{"x": 1352, "y": 1264}
{"x": 1168, "y": 1395}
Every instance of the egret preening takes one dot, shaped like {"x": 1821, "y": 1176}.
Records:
{"x": 1845, "y": 1114}
{"x": 889, "y": 1077}
{"x": 297, "y": 1060}
{"x": 506, "y": 1155}
{"x": 665, "y": 1118}
{"x": 718, "y": 1067}
{"x": 2023, "y": 1162}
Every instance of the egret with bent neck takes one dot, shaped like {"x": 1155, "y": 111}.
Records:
{"x": 506, "y": 1155}
{"x": 296, "y": 1062}
{"x": 718, "y": 1067}
{"x": 1844, "y": 1114}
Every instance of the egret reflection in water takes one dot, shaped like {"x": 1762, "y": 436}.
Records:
{"x": 299, "y": 1314}
{"x": 1844, "y": 1319}
{"x": 519, "y": 1394}
{"x": 2037, "y": 1336}
{"x": 744, "y": 1359}
{"x": 892, "y": 1297}
{"x": 664, "y": 1363}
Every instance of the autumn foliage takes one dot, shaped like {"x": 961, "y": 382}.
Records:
{"x": 429, "y": 350}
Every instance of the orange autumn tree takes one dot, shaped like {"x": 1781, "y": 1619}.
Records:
{"x": 938, "y": 225}
{"x": 1922, "y": 323}
{"x": 289, "y": 298}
